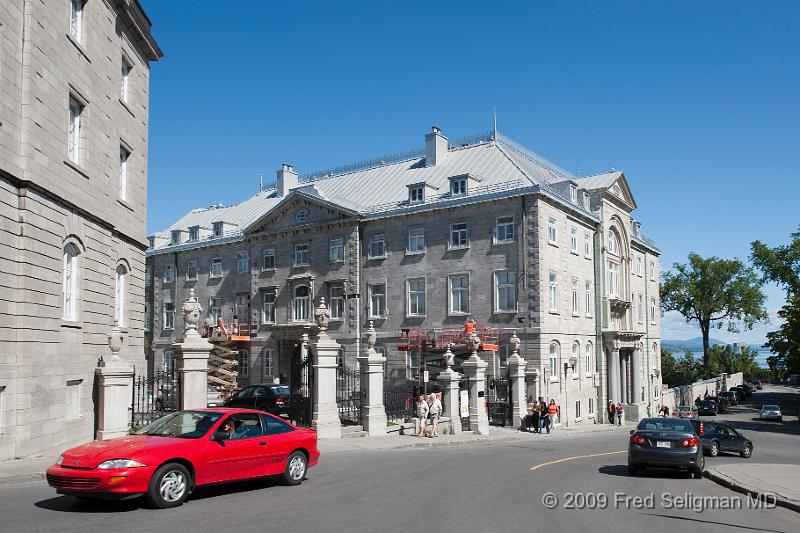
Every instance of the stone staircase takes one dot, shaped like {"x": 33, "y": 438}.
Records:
{"x": 352, "y": 432}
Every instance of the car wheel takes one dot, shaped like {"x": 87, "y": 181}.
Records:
{"x": 633, "y": 469}
{"x": 169, "y": 486}
{"x": 296, "y": 467}
{"x": 747, "y": 451}
{"x": 780, "y": 419}
{"x": 697, "y": 473}
{"x": 714, "y": 450}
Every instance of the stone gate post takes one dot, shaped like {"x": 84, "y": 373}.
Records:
{"x": 516, "y": 375}
{"x": 114, "y": 382}
{"x": 450, "y": 380}
{"x": 326, "y": 412}
{"x": 192, "y": 358}
{"x": 373, "y": 413}
{"x": 475, "y": 371}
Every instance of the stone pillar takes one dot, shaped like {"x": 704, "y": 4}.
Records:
{"x": 624, "y": 378}
{"x": 475, "y": 371}
{"x": 516, "y": 374}
{"x": 450, "y": 380}
{"x": 636, "y": 374}
{"x": 114, "y": 383}
{"x": 373, "y": 413}
{"x": 326, "y": 413}
{"x": 612, "y": 349}
{"x": 192, "y": 358}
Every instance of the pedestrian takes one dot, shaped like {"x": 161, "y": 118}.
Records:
{"x": 435, "y": 413}
{"x": 612, "y": 412}
{"x": 664, "y": 411}
{"x": 552, "y": 411}
{"x": 422, "y": 414}
{"x": 649, "y": 410}
{"x": 620, "y": 414}
{"x": 535, "y": 416}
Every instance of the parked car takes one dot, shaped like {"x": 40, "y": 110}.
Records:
{"x": 722, "y": 403}
{"x": 743, "y": 391}
{"x": 758, "y": 384}
{"x": 215, "y": 397}
{"x": 730, "y": 396}
{"x": 750, "y": 388}
{"x": 771, "y": 412}
{"x": 685, "y": 411}
{"x": 168, "y": 399}
{"x": 219, "y": 445}
{"x": 720, "y": 437}
{"x": 707, "y": 407}
{"x": 665, "y": 443}
{"x": 272, "y": 398}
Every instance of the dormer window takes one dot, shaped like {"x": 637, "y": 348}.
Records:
{"x": 194, "y": 233}
{"x": 573, "y": 193}
{"x": 458, "y": 186}
{"x": 175, "y": 236}
{"x": 217, "y": 229}
{"x": 416, "y": 194}
{"x": 586, "y": 199}
{"x": 152, "y": 240}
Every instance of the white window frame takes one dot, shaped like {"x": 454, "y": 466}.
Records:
{"x": 573, "y": 193}
{"x": 459, "y": 236}
{"x": 301, "y": 254}
{"x": 458, "y": 187}
{"x": 147, "y": 317}
{"x": 613, "y": 243}
{"x": 573, "y": 240}
{"x": 576, "y": 301}
{"x": 576, "y": 353}
{"x": 301, "y": 305}
{"x": 613, "y": 278}
{"x": 76, "y": 20}
{"x": 217, "y": 229}
{"x": 125, "y": 72}
{"x": 71, "y": 265}
{"x": 416, "y": 241}
{"x": 168, "y": 315}
{"x": 268, "y": 253}
{"x": 74, "y": 132}
{"x": 169, "y": 273}
{"x": 415, "y": 298}
{"x": 242, "y": 264}
{"x": 578, "y": 411}
{"x": 587, "y": 245}
{"x": 268, "y": 362}
{"x": 552, "y": 231}
{"x": 639, "y": 264}
{"x": 191, "y": 266}
{"x": 175, "y": 237}
{"x": 504, "y": 225}
{"x": 72, "y": 403}
{"x": 269, "y": 299}
{"x": 552, "y": 361}
{"x": 652, "y": 310}
{"x": 213, "y": 273}
{"x": 458, "y": 294}
{"x": 416, "y": 194}
{"x": 506, "y": 286}
{"x": 652, "y": 270}
{"x": 168, "y": 364}
{"x": 377, "y": 240}
{"x": 588, "y": 297}
{"x": 641, "y": 310}
{"x": 124, "y": 157}
{"x": 120, "y": 294}
{"x": 194, "y": 233}
{"x": 336, "y": 300}
{"x": 215, "y": 310}
{"x": 586, "y": 203}
{"x": 243, "y": 357}
{"x": 552, "y": 279}
{"x": 336, "y": 250}
{"x": 590, "y": 411}
{"x": 379, "y": 303}
{"x": 588, "y": 358}
{"x": 148, "y": 276}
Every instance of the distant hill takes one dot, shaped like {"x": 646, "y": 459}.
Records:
{"x": 695, "y": 345}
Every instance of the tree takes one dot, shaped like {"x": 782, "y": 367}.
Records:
{"x": 782, "y": 266}
{"x": 715, "y": 292}
{"x": 724, "y": 359}
{"x": 682, "y": 371}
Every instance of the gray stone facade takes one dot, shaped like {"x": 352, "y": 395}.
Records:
{"x": 62, "y": 187}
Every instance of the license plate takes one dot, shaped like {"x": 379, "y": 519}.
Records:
{"x": 663, "y": 444}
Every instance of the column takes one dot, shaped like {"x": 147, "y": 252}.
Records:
{"x": 326, "y": 413}
{"x": 373, "y": 413}
{"x": 624, "y": 378}
{"x": 114, "y": 383}
{"x": 475, "y": 371}
{"x": 516, "y": 374}
{"x": 612, "y": 350}
{"x": 636, "y": 374}
{"x": 192, "y": 358}
{"x": 450, "y": 380}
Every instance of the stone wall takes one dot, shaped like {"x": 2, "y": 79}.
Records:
{"x": 686, "y": 395}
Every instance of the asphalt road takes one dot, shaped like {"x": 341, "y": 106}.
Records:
{"x": 469, "y": 488}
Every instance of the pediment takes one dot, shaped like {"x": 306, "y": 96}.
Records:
{"x": 299, "y": 209}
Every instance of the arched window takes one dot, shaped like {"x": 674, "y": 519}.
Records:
{"x": 302, "y": 304}
{"x": 70, "y": 282}
{"x": 119, "y": 300}
{"x": 587, "y": 365}
{"x": 576, "y": 353}
{"x": 553, "y": 360}
{"x": 613, "y": 243}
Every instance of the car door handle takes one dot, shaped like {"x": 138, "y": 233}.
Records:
{"x": 262, "y": 443}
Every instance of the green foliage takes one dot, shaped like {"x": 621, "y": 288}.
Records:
{"x": 683, "y": 371}
{"x": 724, "y": 359}
{"x": 716, "y": 293}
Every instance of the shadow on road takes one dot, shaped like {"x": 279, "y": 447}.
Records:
{"x": 622, "y": 471}
{"x": 726, "y": 524}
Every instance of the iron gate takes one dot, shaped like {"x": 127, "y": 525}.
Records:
{"x": 498, "y": 396}
{"x": 399, "y": 399}
{"x": 154, "y": 396}
{"x": 463, "y": 387}
{"x": 348, "y": 395}
{"x": 301, "y": 390}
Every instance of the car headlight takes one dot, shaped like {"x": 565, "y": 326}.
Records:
{"x": 119, "y": 463}
{"x": 60, "y": 459}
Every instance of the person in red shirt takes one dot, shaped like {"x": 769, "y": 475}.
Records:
{"x": 552, "y": 411}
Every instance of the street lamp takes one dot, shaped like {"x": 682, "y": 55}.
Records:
{"x": 571, "y": 364}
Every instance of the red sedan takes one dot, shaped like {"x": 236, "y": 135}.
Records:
{"x": 167, "y": 459}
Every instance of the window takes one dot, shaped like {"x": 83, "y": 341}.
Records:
{"x": 553, "y": 361}
{"x": 504, "y": 230}
{"x": 639, "y": 266}
{"x": 244, "y": 363}
{"x": 216, "y": 229}
{"x": 412, "y": 364}
{"x": 191, "y": 270}
{"x": 194, "y": 233}
{"x": 124, "y": 80}
{"x": 124, "y": 154}
{"x": 505, "y": 291}
{"x": 586, "y": 200}
{"x": 553, "y": 291}
{"x": 336, "y": 250}
{"x": 641, "y": 310}
{"x": 70, "y": 282}
{"x": 268, "y": 307}
{"x": 175, "y": 237}
{"x": 459, "y": 237}
{"x": 74, "y": 140}
{"x": 301, "y": 310}
{"x": 242, "y": 311}
{"x": 613, "y": 244}
{"x": 577, "y": 409}
{"x": 416, "y": 240}
{"x": 73, "y": 401}
{"x": 588, "y": 297}
{"x": 76, "y": 19}
{"x": 216, "y": 267}
{"x": 416, "y": 194}
{"x": 576, "y": 306}
{"x": 242, "y": 264}
{"x": 552, "y": 231}
{"x": 652, "y": 270}
{"x": 269, "y": 259}
{"x": 340, "y": 358}
{"x": 459, "y": 294}
{"x": 169, "y": 361}
{"x": 458, "y": 187}
{"x": 652, "y": 310}
{"x": 300, "y": 254}
{"x": 416, "y": 297}
{"x": 377, "y": 300}
{"x": 169, "y": 273}
{"x": 587, "y": 245}
{"x": 573, "y": 193}
{"x": 591, "y": 407}
{"x": 587, "y": 359}
{"x": 215, "y": 309}
{"x": 377, "y": 246}
{"x": 268, "y": 363}
{"x": 576, "y": 353}
{"x": 336, "y": 300}
{"x": 573, "y": 240}
{"x": 302, "y": 215}
{"x": 169, "y": 316}
{"x": 148, "y": 276}
{"x": 119, "y": 296}
{"x": 613, "y": 279}
{"x": 147, "y": 317}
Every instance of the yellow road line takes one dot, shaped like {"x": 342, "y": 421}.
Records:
{"x": 537, "y": 467}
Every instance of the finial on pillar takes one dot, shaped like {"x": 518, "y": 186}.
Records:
{"x": 449, "y": 358}
{"x": 514, "y": 342}
{"x": 322, "y": 316}
{"x": 191, "y": 314}
{"x": 371, "y": 336}
{"x": 114, "y": 343}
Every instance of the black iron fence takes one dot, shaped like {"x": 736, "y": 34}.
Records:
{"x": 153, "y": 396}
{"x": 463, "y": 394}
{"x": 399, "y": 399}
{"x": 348, "y": 395}
{"x": 301, "y": 389}
{"x": 498, "y": 399}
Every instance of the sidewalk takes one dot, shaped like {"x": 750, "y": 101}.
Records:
{"x": 779, "y": 483}
{"x": 24, "y": 470}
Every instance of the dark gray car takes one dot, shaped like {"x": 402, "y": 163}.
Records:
{"x": 665, "y": 443}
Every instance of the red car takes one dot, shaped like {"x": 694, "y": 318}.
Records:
{"x": 167, "y": 459}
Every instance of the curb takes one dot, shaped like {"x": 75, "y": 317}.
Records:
{"x": 22, "y": 478}
{"x": 736, "y": 486}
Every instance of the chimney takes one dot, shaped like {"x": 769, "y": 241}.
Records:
{"x": 287, "y": 179}
{"x": 435, "y": 147}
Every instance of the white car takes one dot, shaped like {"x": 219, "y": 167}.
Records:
{"x": 215, "y": 397}
{"x": 771, "y": 412}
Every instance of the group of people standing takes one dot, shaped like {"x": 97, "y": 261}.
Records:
{"x": 541, "y": 416}
{"x": 429, "y": 408}
{"x": 615, "y": 413}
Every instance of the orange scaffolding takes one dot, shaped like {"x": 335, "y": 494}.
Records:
{"x": 439, "y": 339}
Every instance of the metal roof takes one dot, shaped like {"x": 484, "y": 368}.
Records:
{"x": 599, "y": 181}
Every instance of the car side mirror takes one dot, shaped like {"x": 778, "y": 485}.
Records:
{"x": 220, "y": 436}
{"x": 632, "y": 432}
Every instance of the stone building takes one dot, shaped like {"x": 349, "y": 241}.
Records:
{"x": 480, "y": 228}
{"x": 73, "y": 193}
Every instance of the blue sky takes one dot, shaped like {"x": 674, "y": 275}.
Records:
{"x": 696, "y": 101}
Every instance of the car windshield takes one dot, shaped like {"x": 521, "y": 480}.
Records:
{"x": 281, "y": 390}
{"x": 183, "y": 425}
{"x": 656, "y": 424}
{"x": 770, "y": 408}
